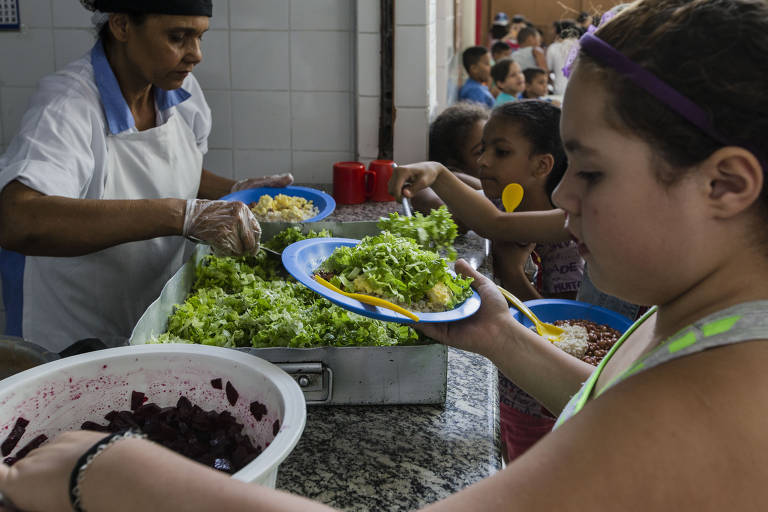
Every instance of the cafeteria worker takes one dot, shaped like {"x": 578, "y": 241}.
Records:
{"x": 104, "y": 180}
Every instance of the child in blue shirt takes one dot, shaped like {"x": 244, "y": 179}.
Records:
{"x": 477, "y": 62}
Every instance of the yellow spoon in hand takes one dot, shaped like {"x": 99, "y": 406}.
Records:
{"x": 511, "y": 196}
{"x": 548, "y": 331}
{"x": 368, "y": 299}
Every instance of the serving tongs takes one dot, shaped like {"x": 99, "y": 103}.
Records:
{"x": 368, "y": 299}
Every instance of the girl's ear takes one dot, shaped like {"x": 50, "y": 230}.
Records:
{"x": 735, "y": 181}
{"x": 542, "y": 165}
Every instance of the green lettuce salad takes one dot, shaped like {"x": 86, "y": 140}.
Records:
{"x": 434, "y": 232}
{"x": 252, "y": 302}
{"x": 396, "y": 269}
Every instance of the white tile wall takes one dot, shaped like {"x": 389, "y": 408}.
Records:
{"x": 411, "y": 70}
{"x": 26, "y": 56}
{"x": 411, "y": 130}
{"x": 423, "y": 57}
{"x": 221, "y": 112}
{"x": 213, "y": 71}
{"x": 259, "y": 162}
{"x": 260, "y": 60}
{"x": 35, "y": 13}
{"x": 262, "y": 121}
{"x": 322, "y": 121}
{"x": 260, "y": 14}
{"x": 220, "y": 161}
{"x": 321, "y": 61}
{"x": 71, "y": 44}
{"x": 322, "y": 15}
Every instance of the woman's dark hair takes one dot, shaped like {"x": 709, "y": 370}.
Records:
{"x": 539, "y": 123}
{"x": 713, "y": 52}
{"x": 137, "y": 18}
{"x": 499, "y": 31}
{"x": 448, "y": 131}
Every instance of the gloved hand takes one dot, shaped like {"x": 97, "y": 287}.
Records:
{"x": 276, "y": 180}
{"x": 229, "y": 227}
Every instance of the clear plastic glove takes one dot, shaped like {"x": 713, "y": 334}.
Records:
{"x": 229, "y": 227}
{"x": 276, "y": 180}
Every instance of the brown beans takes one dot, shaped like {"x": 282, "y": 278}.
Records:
{"x": 600, "y": 339}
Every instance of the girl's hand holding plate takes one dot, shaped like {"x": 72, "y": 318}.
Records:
{"x": 480, "y": 331}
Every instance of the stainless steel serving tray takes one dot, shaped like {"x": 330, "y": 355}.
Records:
{"x": 327, "y": 375}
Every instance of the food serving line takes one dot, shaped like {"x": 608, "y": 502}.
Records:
{"x": 387, "y": 428}
{"x": 401, "y": 457}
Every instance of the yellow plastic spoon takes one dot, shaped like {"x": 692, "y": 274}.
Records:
{"x": 368, "y": 299}
{"x": 548, "y": 331}
{"x": 511, "y": 196}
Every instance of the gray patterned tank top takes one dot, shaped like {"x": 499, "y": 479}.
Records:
{"x": 742, "y": 322}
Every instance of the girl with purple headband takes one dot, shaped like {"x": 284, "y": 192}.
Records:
{"x": 664, "y": 122}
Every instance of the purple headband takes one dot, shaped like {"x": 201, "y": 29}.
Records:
{"x": 658, "y": 88}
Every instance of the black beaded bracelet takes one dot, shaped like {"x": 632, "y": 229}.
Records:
{"x": 85, "y": 460}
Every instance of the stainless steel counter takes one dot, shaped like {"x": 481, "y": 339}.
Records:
{"x": 400, "y": 457}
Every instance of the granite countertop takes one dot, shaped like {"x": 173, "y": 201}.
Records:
{"x": 400, "y": 457}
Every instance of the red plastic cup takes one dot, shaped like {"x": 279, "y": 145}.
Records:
{"x": 383, "y": 170}
{"x": 352, "y": 184}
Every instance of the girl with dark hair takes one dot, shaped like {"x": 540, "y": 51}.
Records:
{"x": 665, "y": 194}
{"x": 455, "y": 140}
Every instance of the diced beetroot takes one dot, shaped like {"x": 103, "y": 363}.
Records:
{"x": 275, "y": 427}
{"x": 184, "y": 407}
{"x": 232, "y": 393}
{"x": 211, "y": 438}
{"x": 216, "y": 383}
{"x": 13, "y": 438}
{"x": 258, "y": 410}
{"x": 31, "y": 446}
{"x": 137, "y": 398}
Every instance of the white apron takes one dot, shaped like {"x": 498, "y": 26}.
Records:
{"x": 103, "y": 294}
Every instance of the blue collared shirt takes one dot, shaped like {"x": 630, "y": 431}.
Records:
{"x": 473, "y": 90}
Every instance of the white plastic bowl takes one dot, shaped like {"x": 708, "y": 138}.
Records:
{"x": 61, "y": 395}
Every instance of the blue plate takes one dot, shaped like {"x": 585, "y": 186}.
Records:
{"x": 550, "y": 310}
{"x": 324, "y": 202}
{"x": 302, "y": 258}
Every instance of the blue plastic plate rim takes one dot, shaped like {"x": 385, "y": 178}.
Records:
{"x": 324, "y": 202}
{"x": 301, "y": 259}
{"x": 549, "y": 310}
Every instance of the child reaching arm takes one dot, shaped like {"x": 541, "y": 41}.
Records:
{"x": 475, "y": 210}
